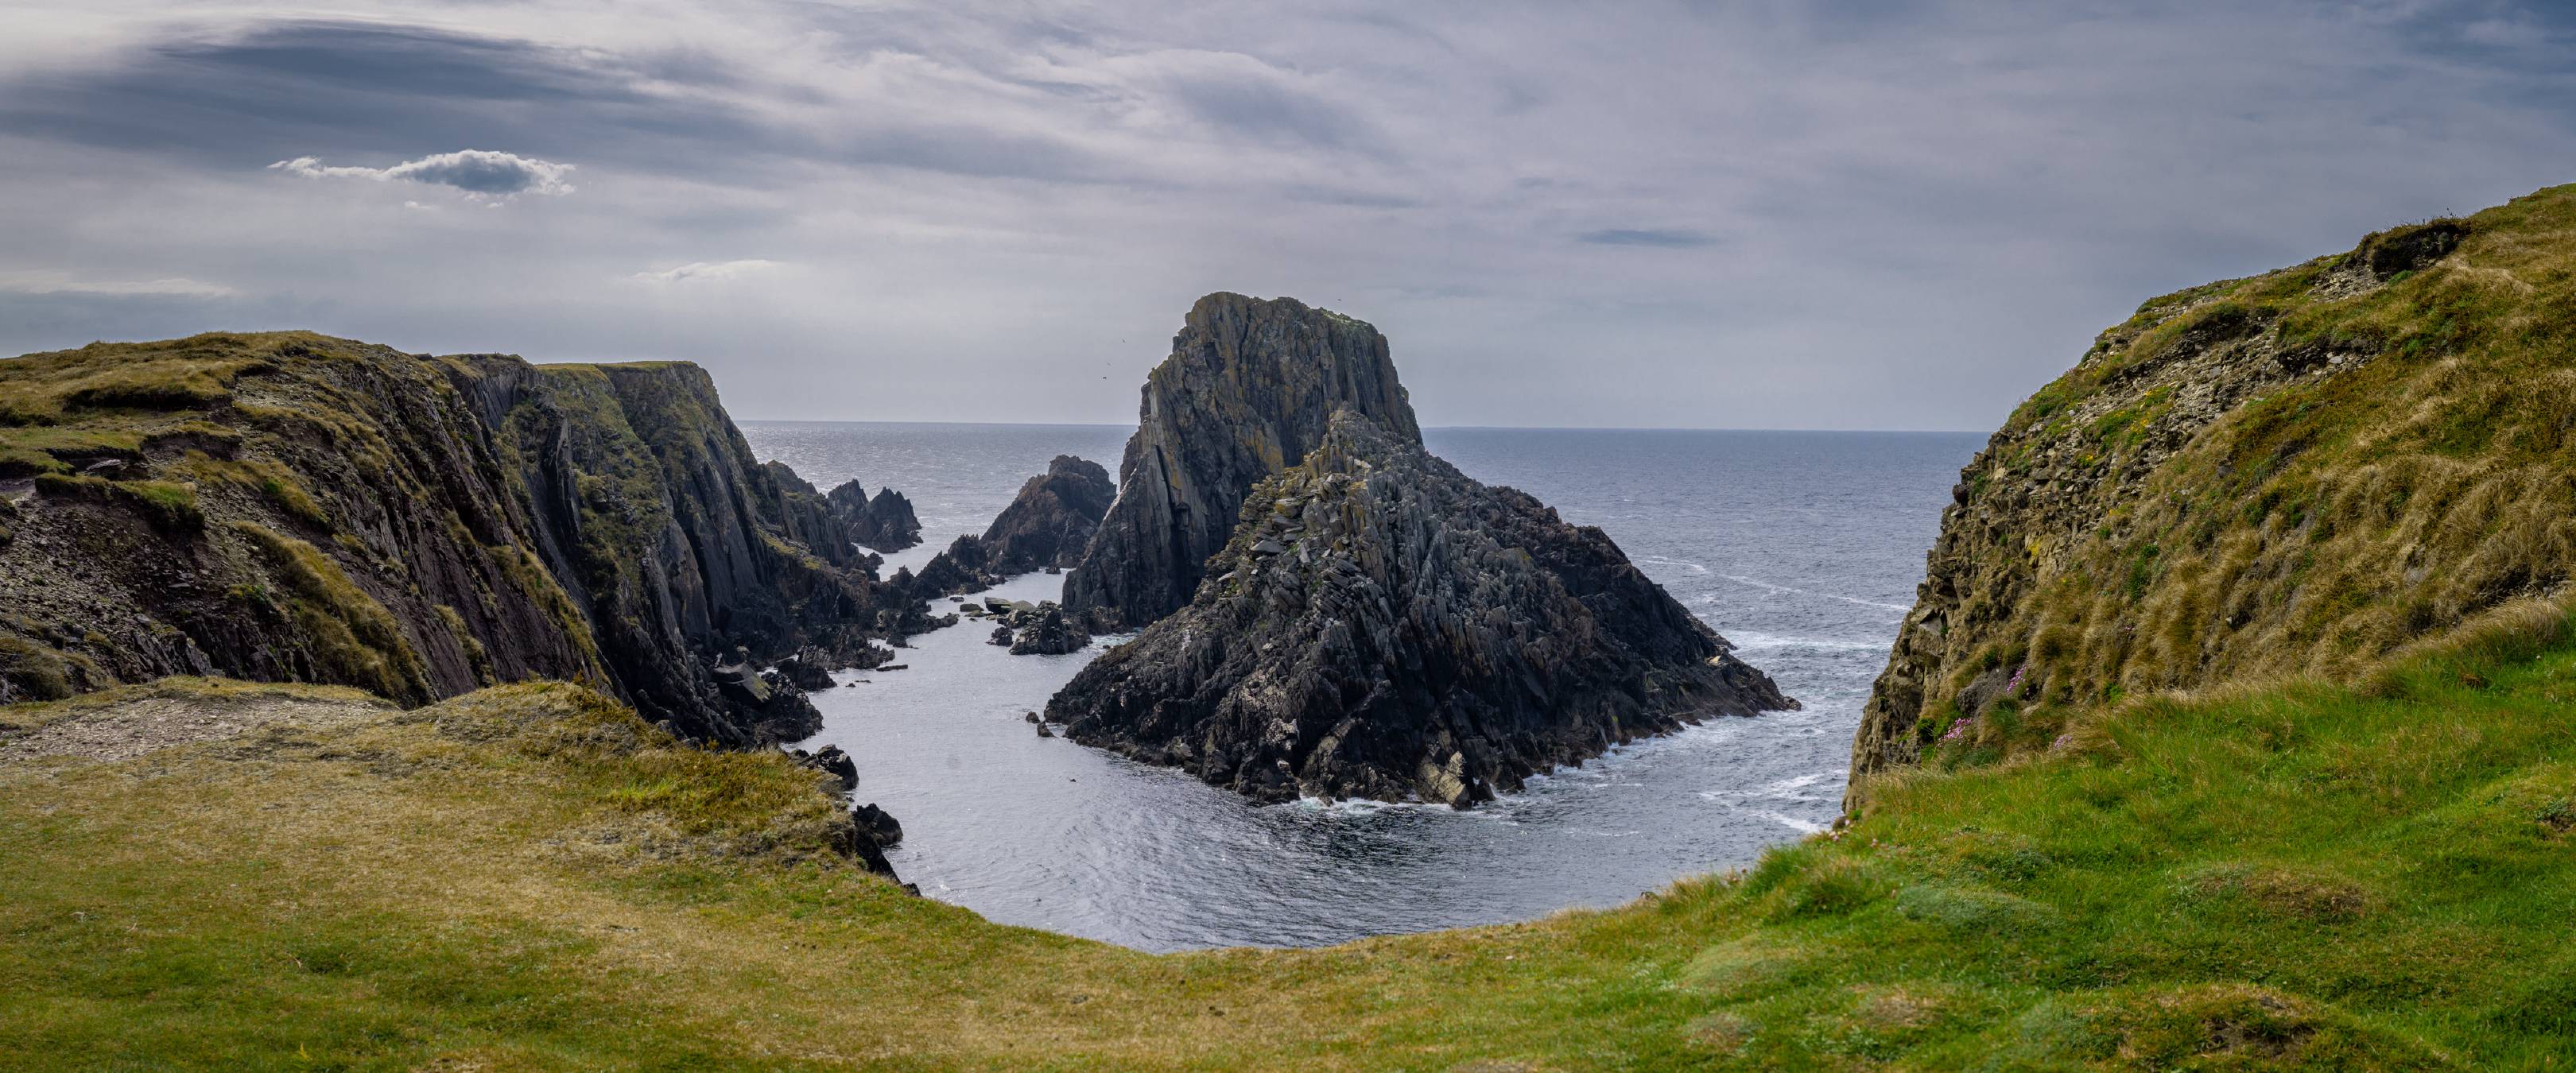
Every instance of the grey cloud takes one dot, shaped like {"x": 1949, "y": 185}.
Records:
{"x": 483, "y": 172}
{"x": 1665, "y": 238}
{"x": 999, "y": 212}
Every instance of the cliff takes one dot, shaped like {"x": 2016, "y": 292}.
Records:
{"x": 2292, "y": 474}
{"x": 1052, "y": 518}
{"x": 1246, "y": 392}
{"x": 292, "y": 507}
{"x": 1381, "y": 626}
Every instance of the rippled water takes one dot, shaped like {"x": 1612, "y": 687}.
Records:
{"x": 1803, "y": 548}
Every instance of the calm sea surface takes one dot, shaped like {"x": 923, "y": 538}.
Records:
{"x": 1801, "y": 547}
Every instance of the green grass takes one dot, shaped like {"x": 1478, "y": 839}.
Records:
{"x": 2371, "y": 876}
{"x": 2398, "y": 466}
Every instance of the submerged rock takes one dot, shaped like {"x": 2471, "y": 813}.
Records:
{"x": 1053, "y": 517}
{"x": 1381, "y": 626}
{"x": 1247, "y": 391}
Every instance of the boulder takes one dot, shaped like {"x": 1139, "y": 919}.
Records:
{"x": 877, "y": 825}
{"x": 1001, "y": 636}
{"x": 831, "y": 761}
{"x": 1051, "y": 635}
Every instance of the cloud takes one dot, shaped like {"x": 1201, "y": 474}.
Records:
{"x": 1668, "y": 238}
{"x": 707, "y": 270}
{"x": 64, "y": 283}
{"x": 478, "y": 172}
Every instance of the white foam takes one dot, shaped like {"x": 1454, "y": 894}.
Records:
{"x": 1793, "y": 823}
{"x": 1758, "y": 641}
{"x": 1775, "y": 587}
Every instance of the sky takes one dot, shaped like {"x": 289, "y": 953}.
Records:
{"x": 1849, "y": 215}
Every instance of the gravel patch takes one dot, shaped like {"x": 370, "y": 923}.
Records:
{"x": 132, "y": 729}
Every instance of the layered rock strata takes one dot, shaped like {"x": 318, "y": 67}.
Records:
{"x": 293, "y": 507}
{"x": 1248, "y": 389}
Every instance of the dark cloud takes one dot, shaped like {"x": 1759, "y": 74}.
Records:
{"x": 1666, "y": 238}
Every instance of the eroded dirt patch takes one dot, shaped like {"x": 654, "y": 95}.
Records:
{"x": 131, "y": 729}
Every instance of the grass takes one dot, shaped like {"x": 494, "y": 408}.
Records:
{"x": 2162, "y": 540}
{"x": 2305, "y": 875}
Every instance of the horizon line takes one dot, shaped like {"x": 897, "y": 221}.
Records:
{"x": 1445, "y": 428}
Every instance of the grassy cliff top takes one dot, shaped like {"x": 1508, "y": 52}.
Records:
{"x": 2295, "y": 473}
{"x": 2295, "y": 877}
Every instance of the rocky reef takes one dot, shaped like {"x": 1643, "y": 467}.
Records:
{"x": 1052, "y": 518}
{"x": 2291, "y": 474}
{"x": 1248, "y": 389}
{"x": 1381, "y": 626}
{"x": 294, "y": 507}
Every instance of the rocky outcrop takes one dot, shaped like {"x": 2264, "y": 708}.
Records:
{"x": 964, "y": 567}
{"x": 1046, "y": 633}
{"x": 1381, "y": 626}
{"x": 292, "y": 507}
{"x": 882, "y": 523}
{"x": 1052, "y": 518}
{"x": 2290, "y": 474}
{"x": 1247, "y": 391}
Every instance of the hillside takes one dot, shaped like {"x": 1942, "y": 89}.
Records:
{"x": 292, "y": 507}
{"x": 2289, "y": 474}
{"x": 529, "y": 878}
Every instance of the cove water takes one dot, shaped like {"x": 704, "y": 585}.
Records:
{"x": 1803, "y": 548}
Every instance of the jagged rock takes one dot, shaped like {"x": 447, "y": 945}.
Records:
{"x": 862, "y": 841}
{"x": 965, "y": 567}
{"x": 880, "y": 827}
{"x": 1047, "y": 524}
{"x": 1043, "y": 732}
{"x": 830, "y": 760}
{"x": 1001, "y": 636}
{"x": 1247, "y": 391}
{"x": 1049, "y": 635}
{"x": 1413, "y": 634}
{"x": 805, "y": 670}
{"x": 885, "y": 522}
{"x": 1032, "y": 717}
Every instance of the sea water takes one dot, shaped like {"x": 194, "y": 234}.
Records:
{"x": 1803, "y": 548}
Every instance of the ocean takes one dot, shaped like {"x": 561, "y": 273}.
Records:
{"x": 1803, "y": 548}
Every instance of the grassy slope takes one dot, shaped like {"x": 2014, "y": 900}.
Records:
{"x": 2325, "y": 521}
{"x": 526, "y": 877}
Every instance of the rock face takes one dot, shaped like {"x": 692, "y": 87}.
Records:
{"x": 1247, "y": 391}
{"x": 1052, "y": 518}
{"x": 1381, "y": 626}
{"x": 882, "y": 523}
{"x": 2290, "y": 474}
{"x": 292, "y": 507}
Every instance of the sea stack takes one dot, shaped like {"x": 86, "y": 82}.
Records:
{"x": 1052, "y": 518}
{"x": 1247, "y": 391}
{"x": 1377, "y": 624}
